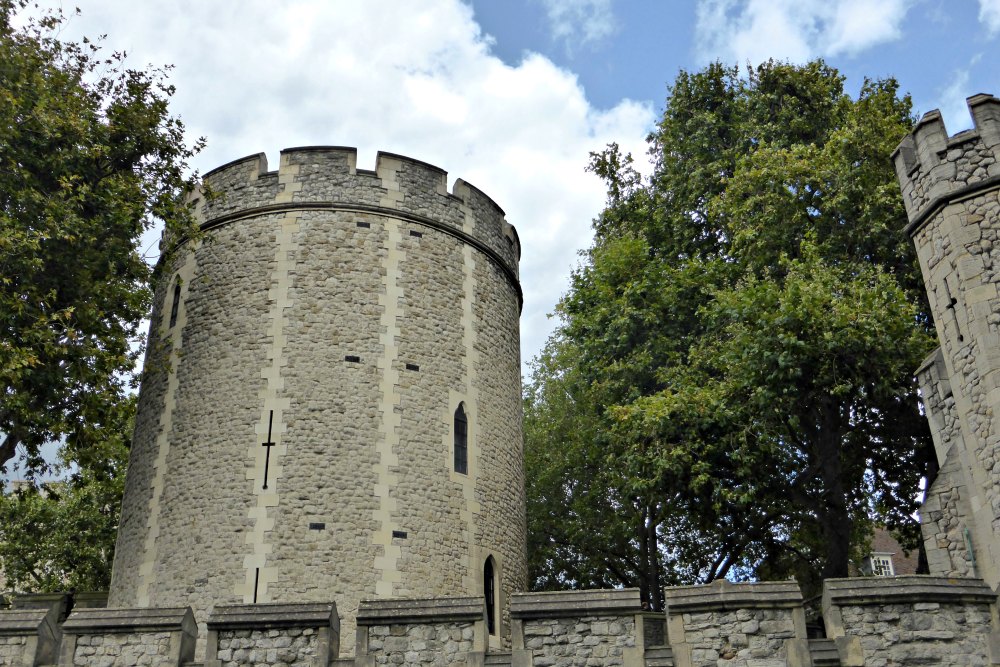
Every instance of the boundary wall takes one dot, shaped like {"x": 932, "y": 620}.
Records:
{"x": 869, "y": 622}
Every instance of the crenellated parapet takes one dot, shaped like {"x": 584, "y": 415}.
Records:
{"x": 327, "y": 178}
{"x": 934, "y": 168}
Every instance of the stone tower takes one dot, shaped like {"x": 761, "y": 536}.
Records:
{"x": 331, "y": 405}
{"x": 950, "y": 189}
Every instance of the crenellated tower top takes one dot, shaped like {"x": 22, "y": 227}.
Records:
{"x": 327, "y": 177}
{"x": 934, "y": 168}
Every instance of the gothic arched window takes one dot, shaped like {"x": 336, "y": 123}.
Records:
{"x": 461, "y": 441}
{"x": 490, "y": 595}
{"x": 176, "y": 304}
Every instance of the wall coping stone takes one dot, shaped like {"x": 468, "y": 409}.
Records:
{"x": 22, "y": 622}
{"x": 872, "y": 591}
{"x": 563, "y": 604}
{"x": 116, "y": 621}
{"x": 724, "y": 595}
{"x": 420, "y": 611}
{"x": 90, "y": 600}
{"x": 274, "y": 615}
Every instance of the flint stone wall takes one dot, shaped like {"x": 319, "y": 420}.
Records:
{"x": 293, "y": 647}
{"x": 123, "y": 650}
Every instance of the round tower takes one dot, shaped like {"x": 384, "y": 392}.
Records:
{"x": 331, "y": 405}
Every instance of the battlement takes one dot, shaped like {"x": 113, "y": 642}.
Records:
{"x": 327, "y": 177}
{"x": 934, "y": 167}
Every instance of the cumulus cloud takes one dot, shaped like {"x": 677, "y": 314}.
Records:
{"x": 989, "y": 14}
{"x": 578, "y": 22}
{"x": 796, "y": 30}
{"x": 412, "y": 78}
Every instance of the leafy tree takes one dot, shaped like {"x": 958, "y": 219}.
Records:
{"x": 89, "y": 158}
{"x": 740, "y": 341}
{"x": 42, "y": 526}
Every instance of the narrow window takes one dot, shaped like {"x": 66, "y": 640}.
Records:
{"x": 490, "y": 596}
{"x": 461, "y": 441}
{"x": 175, "y": 305}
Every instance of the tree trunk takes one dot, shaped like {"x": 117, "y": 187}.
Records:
{"x": 834, "y": 516}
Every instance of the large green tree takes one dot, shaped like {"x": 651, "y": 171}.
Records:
{"x": 90, "y": 157}
{"x": 739, "y": 343}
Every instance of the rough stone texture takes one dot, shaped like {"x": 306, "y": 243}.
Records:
{"x": 950, "y": 189}
{"x": 911, "y": 620}
{"x": 437, "y": 644}
{"x": 122, "y": 650}
{"x": 579, "y": 642}
{"x": 12, "y": 649}
{"x": 738, "y": 625}
{"x": 307, "y": 266}
{"x": 921, "y": 634}
{"x": 288, "y": 647}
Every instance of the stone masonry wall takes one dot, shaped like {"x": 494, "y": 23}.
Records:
{"x": 420, "y": 645}
{"x": 742, "y": 637}
{"x": 288, "y": 647}
{"x": 950, "y": 188}
{"x": 921, "y": 634}
{"x": 945, "y": 508}
{"x": 298, "y": 447}
{"x": 579, "y": 642}
{"x": 11, "y": 649}
{"x": 122, "y": 650}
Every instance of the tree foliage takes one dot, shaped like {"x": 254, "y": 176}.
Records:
{"x": 737, "y": 347}
{"x": 89, "y": 158}
{"x": 60, "y": 535}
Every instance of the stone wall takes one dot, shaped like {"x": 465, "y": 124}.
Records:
{"x": 869, "y": 622}
{"x": 442, "y": 632}
{"x": 912, "y": 620}
{"x": 739, "y": 625}
{"x": 127, "y": 638}
{"x": 273, "y": 635}
{"x": 341, "y": 315}
{"x": 950, "y": 189}
{"x": 579, "y": 628}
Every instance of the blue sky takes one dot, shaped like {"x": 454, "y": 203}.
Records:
{"x": 512, "y": 95}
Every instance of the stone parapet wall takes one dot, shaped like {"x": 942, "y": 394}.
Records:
{"x": 128, "y": 638}
{"x": 438, "y": 632}
{"x": 29, "y": 637}
{"x": 273, "y": 635}
{"x": 578, "y": 628}
{"x": 740, "y": 625}
{"x": 870, "y": 622}
{"x": 912, "y": 620}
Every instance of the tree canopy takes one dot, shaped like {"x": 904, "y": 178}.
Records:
{"x": 90, "y": 157}
{"x": 730, "y": 391}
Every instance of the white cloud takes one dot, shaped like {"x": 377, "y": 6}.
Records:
{"x": 795, "y": 30}
{"x": 577, "y": 22}
{"x": 410, "y": 78}
{"x": 989, "y": 13}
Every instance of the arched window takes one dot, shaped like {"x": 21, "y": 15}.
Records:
{"x": 176, "y": 304}
{"x": 490, "y": 595}
{"x": 461, "y": 441}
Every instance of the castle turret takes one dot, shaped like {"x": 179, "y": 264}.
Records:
{"x": 330, "y": 408}
{"x": 950, "y": 188}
